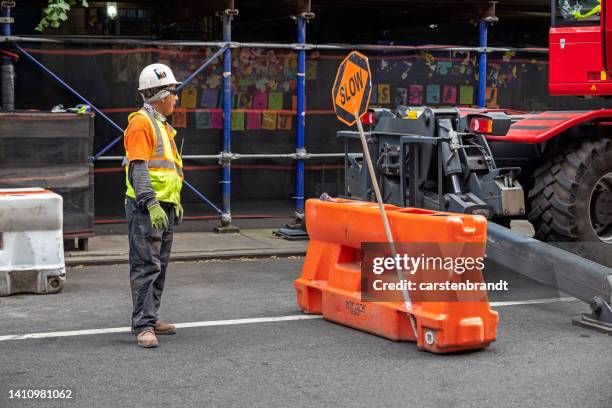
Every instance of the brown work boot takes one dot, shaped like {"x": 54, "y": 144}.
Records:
{"x": 147, "y": 339}
{"x": 163, "y": 328}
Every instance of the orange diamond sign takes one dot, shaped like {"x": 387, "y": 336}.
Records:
{"x": 352, "y": 88}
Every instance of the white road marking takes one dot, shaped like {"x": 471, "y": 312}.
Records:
{"x": 533, "y": 301}
{"x": 178, "y": 325}
{"x": 237, "y": 321}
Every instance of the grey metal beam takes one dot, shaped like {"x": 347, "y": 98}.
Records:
{"x": 549, "y": 265}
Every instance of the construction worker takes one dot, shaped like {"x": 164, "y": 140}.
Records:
{"x": 154, "y": 176}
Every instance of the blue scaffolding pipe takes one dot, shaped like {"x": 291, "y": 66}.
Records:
{"x": 202, "y": 197}
{"x": 40, "y": 65}
{"x": 58, "y": 79}
{"x": 226, "y": 186}
{"x": 301, "y": 115}
{"x": 185, "y": 82}
{"x": 482, "y": 66}
{"x": 6, "y": 27}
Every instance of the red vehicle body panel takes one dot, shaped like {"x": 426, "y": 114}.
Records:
{"x": 576, "y": 62}
{"x": 539, "y": 127}
{"x": 533, "y": 128}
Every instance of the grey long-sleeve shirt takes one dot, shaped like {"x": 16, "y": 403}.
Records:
{"x": 138, "y": 175}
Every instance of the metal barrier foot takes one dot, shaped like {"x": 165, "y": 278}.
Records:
{"x": 600, "y": 319}
{"x": 228, "y": 229}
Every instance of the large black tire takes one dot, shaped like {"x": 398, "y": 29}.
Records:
{"x": 562, "y": 194}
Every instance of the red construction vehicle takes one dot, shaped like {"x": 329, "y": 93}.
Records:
{"x": 554, "y": 168}
{"x": 566, "y": 156}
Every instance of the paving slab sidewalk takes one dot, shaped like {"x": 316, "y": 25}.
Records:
{"x": 190, "y": 246}
{"x": 193, "y": 246}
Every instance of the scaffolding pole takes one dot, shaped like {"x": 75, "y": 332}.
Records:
{"x": 300, "y": 118}
{"x": 482, "y": 65}
{"x": 226, "y": 174}
{"x": 8, "y": 70}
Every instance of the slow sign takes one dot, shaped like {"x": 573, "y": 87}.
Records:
{"x": 352, "y": 88}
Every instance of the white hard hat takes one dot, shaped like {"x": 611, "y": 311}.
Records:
{"x": 155, "y": 76}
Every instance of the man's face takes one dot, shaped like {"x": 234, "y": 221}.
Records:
{"x": 166, "y": 105}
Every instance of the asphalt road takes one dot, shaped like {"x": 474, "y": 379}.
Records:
{"x": 538, "y": 360}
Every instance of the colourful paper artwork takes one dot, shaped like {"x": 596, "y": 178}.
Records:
{"x": 208, "y": 98}
{"x": 203, "y": 120}
{"x": 384, "y": 94}
{"x": 466, "y": 95}
{"x": 243, "y": 100}
{"x": 244, "y": 83}
{"x": 400, "y": 96}
{"x": 216, "y": 119}
{"x": 268, "y": 121}
{"x": 433, "y": 94}
{"x": 260, "y": 100}
{"x": 416, "y": 94}
{"x": 444, "y": 67}
{"x": 284, "y": 121}
{"x": 449, "y": 95}
{"x": 179, "y": 118}
{"x": 253, "y": 120}
{"x": 275, "y": 101}
{"x": 491, "y": 97}
{"x": 189, "y": 97}
{"x": 237, "y": 120}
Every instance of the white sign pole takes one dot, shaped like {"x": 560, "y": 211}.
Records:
{"x": 383, "y": 214}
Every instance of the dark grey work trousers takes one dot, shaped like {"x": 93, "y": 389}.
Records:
{"x": 149, "y": 255}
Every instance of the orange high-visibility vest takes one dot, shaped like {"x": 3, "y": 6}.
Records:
{"x": 165, "y": 164}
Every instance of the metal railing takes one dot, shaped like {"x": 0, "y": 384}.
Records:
{"x": 226, "y": 156}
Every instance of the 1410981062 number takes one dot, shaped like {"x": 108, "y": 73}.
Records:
{"x": 40, "y": 394}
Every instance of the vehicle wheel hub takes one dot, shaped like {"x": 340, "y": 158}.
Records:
{"x": 601, "y": 208}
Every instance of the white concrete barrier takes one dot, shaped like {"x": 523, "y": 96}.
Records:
{"x": 31, "y": 242}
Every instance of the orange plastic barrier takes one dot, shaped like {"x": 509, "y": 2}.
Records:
{"x": 330, "y": 283}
